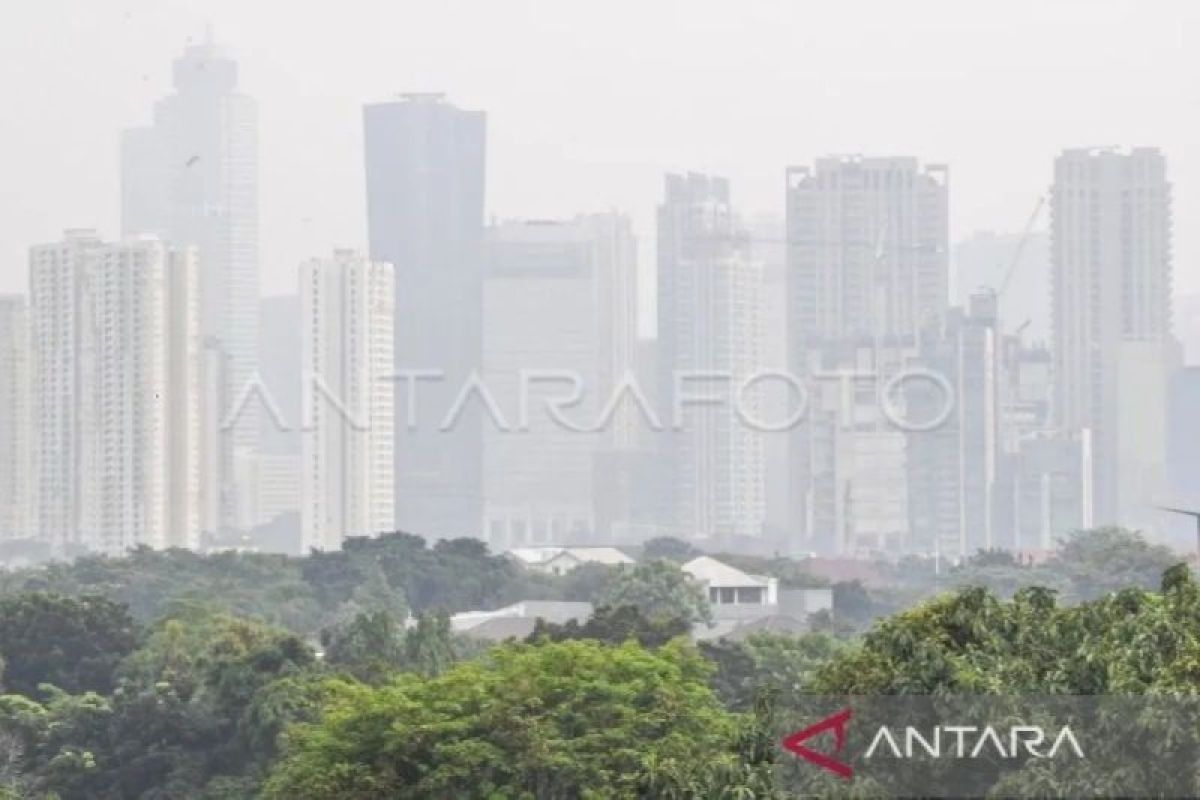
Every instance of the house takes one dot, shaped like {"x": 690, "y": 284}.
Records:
{"x": 518, "y": 620}
{"x": 732, "y": 592}
{"x": 559, "y": 560}
{"x": 743, "y": 604}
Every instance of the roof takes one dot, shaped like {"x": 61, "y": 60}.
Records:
{"x": 708, "y": 570}
{"x": 498, "y": 629}
{"x": 537, "y": 556}
{"x": 550, "y": 610}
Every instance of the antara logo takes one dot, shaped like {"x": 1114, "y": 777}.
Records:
{"x": 954, "y": 741}
{"x": 836, "y": 723}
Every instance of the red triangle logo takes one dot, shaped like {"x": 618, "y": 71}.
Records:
{"x": 837, "y": 723}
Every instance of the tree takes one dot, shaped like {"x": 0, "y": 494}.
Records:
{"x": 556, "y": 720}
{"x": 668, "y": 548}
{"x": 74, "y": 644}
{"x": 659, "y": 590}
{"x": 614, "y": 626}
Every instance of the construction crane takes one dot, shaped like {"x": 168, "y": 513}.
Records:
{"x": 1016, "y": 259}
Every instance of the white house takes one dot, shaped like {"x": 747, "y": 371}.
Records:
{"x": 559, "y": 560}
{"x": 728, "y": 586}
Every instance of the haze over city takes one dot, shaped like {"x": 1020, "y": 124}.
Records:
{"x": 589, "y": 104}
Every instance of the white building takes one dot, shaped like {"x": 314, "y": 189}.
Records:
{"x": 710, "y": 344}
{"x": 60, "y": 314}
{"x": 16, "y": 421}
{"x": 117, "y": 391}
{"x": 560, "y": 313}
{"x": 348, "y": 318}
{"x": 191, "y": 177}
{"x": 559, "y": 560}
{"x": 726, "y": 585}
{"x": 1111, "y": 240}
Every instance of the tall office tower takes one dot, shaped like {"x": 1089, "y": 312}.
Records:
{"x": 191, "y": 177}
{"x": 952, "y": 402}
{"x": 117, "y": 387}
{"x": 348, "y": 311}
{"x": 709, "y": 325}
{"x": 1111, "y": 245}
{"x": 560, "y": 317}
{"x": 868, "y": 249}
{"x": 61, "y": 320}
{"x": 16, "y": 420}
{"x": 867, "y": 256}
{"x": 425, "y": 185}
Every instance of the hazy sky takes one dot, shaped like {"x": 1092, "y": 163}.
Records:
{"x": 590, "y": 102}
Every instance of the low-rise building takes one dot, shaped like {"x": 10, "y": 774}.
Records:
{"x": 560, "y": 560}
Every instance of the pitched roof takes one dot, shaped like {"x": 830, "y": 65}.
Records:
{"x": 536, "y": 556}
{"x": 708, "y": 570}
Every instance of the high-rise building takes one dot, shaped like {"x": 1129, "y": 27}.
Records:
{"x": 867, "y": 261}
{"x": 61, "y": 320}
{"x": 425, "y": 189}
{"x": 856, "y": 498}
{"x": 952, "y": 465}
{"x": 348, "y": 312}
{"x": 1111, "y": 241}
{"x": 16, "y": 421}
{"x": 191, "y": 177}
{"x": 118, "y": 398}
{"x": 710, "y": 329}
{"x": 560, "y": 316}
{"x": 868, "y": 248}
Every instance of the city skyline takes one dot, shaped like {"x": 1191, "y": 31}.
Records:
{"x": 952, "y": 98}
{"x": 145, "y": 381}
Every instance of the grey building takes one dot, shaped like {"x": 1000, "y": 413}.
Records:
{"x": 425, "y": 194}
{"x": 709, "y": 322}
{"x": 191, "y": 177}
{"x": 1111, "y": 244}
{"x": 867, "y": 260}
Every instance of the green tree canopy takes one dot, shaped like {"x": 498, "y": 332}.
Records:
{"x": 72, "y": 643}
{"x": 557, "y": 720}
{"x": 659, "y": 590}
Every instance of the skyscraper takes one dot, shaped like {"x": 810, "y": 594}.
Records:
{"x": 1111, "y": 243}
{"x": 191, "y": 177}
{"x": 868, "y": 249}
{"x": 348, "y": 313}
{"x": 560, "y": 299}
{"x": 16, "y": 420}
{"x": 867, "y": 266}
{"x": 710, "y": 322}
{"x": 61, "y": 320}
{"x": 117, "y": 388}
{"x": 425, "y": 190}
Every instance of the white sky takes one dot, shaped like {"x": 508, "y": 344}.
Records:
{"x": 590, "y": 102}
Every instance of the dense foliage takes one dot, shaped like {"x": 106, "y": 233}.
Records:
{"x": 175, "y": 675}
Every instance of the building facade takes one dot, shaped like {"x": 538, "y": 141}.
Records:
{"x": 1111, "y": 244}
{"x": 348, "y": 439}
{"x": 191, "y": 177}
{"x": 16, "y": 420}
{"x": 710, "y": 329}
{"x": 117, "y": 383}
{"x": 425, "y": 188}
{"x": 560, "y": 317}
